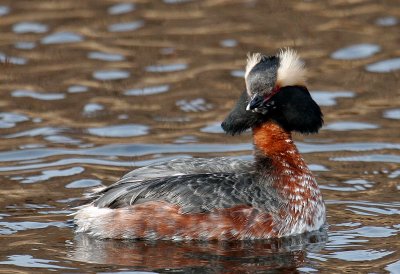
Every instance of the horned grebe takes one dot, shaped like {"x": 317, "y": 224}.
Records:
{"x": 275, "y": 195}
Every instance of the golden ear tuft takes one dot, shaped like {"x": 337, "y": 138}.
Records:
{"x": 291, "y": 69}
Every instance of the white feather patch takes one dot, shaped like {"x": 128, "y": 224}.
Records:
{"x": 90, "y": 217}
{"x": 252, "y": 60}
{"x": 291, "y": 69}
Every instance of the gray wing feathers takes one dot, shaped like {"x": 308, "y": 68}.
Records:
{"x": 189, "y": 166}
{"x": 195, "y": 184}
{"x": 178, "y": 167}
{"x": 193, "y": 193}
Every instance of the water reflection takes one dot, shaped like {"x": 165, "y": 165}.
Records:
{"x": 29, "y": 27}
{"x": 48, "y": 174}
{"x": 346, "y": 126}
{"x": 103, "y": 56}
{"x": 387, "y": 21}
{"x": 111, "y": 74}
{"x": 238, "y": 256}
{"x": 37, "y": 95}
{"x": 9, "y": 119}
{"x": 62, "y": 38}
{"x": 356, "y": 52}
{"x": 7, "y": 228}
{"x": 167, "y": 51}
{"x": 25, "y": 45}
{"x": 213, "y": 128}
{"x": 328, "y": 98}
{"x": 127, "y": 150}
{"x": 121, "y": 8}
{"x": 238, "y": 73}
{"x": 31, "y": 262}
{"x": 393, "y": 267}
{"x": 229, "y": 43}
{"x": 355, "y": 185}
{"x": 186, "y": 139}
{"x": 126, "y": 26}
{"x": 388, "y": 158}
{"x": 77, "y": 89}
{"x": 91, "y": 108}
{"x": 392, "y": 114}
{"x": 83, "y": 183}
{"x": 384, "y": 66}
{"x": 123, "y": 116}
{"x": 195, "y": 105}
{"x": 12, "y": 59}
{"x": 368, "y": 208}
{"x": 4, "y": 10}
{"x": 128, "y": 130}
{"x": 166, "y": 68}
{"x": 38, "y": 131}
{"x": 147, "y": 90}
{"x": 360, "y": 255}
{"x": 182, "y": 64}
{"x": 176, "y": 1}
{"x": 60, "y": 139}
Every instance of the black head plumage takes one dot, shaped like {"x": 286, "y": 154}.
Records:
{"x": 295, "y": 110}
{"x": 239, "y": 119}
{"x": 275, "y": 91}
{"x": 292, "y": 108}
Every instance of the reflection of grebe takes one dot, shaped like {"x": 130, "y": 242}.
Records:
{"x": 220, "y": 199}
{"x": 258, "y": 256}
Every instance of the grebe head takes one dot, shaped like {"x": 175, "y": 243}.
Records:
{"x": 275, "y": 90}
{"x": 265, "y": 75}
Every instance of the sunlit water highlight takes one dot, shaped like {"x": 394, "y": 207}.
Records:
{"x": 93, "y": 89}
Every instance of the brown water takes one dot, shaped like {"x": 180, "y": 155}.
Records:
{"x": 91, "y": 89}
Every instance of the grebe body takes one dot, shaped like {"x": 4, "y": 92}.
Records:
{"x": 276, "y": 195}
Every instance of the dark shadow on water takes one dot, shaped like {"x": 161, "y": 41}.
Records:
{"x": 257, "y": 256}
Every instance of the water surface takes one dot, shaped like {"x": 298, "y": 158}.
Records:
{"x": 92, "y": 89}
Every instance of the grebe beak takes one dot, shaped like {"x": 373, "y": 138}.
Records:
{"x": 256, "y": 102}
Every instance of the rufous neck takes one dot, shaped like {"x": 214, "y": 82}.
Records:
{"x": 274, "y": 143}
{"x": 271, "y": 139}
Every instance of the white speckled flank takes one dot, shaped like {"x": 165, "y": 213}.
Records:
{"x": 93, "y": 219}
{"x": 291, "y": 69}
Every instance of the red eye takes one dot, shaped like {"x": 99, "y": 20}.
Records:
{"x": 276, "y": 88}
{"x": 274, "y": 91}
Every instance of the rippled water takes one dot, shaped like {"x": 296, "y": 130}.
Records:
{"x": 92, "y": 89}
